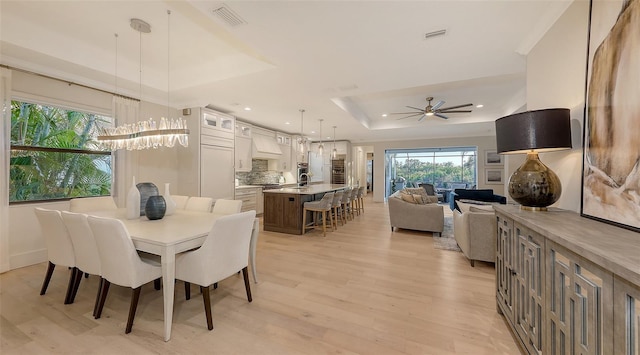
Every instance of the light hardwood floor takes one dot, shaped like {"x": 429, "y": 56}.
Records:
{"x": 362, "y": 289}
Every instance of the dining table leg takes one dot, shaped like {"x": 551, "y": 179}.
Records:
{"x": 168, "y": 260}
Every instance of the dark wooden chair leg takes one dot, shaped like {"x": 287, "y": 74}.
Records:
{"x": 156, "y": 284}
{"x": 215, "y": 286}
{"x": 135, "y": 296}
{"x": 86, "y": 276}
{"x": 47, "y": 277}
{"x": 95, "y": 306}
{"x": 247, "y": 287}
{"x": 103, "y": 297}
{"x": 187, "y": 290}
{"x": 70, "y": 286}
{"x": 207, "y": 306}
{"x": 473, "y": 264}
{"x": 76, "y": 285}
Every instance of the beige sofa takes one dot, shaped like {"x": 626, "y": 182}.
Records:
{"x": 475, "y": 232}
{"x": 423, "y": 217}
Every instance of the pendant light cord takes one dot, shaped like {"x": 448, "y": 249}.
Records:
{"x": 116, "y": 69}
{"x": 140, "y": 65}
{"x": 168, "y": 57}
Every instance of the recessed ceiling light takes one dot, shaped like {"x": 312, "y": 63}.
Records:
{"x": 480, "y": 106}
{"x": 247, "y": 108}
{"x": 384, "y": 115}
{"x": 287, "y": 123}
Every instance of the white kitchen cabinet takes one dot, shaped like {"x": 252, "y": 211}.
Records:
{"x": 259, "y": 202}
{"x": 284, "y": 163}
{"x": 251, "y": 197}
{"x": 243, "y": 154}
{"x": 216, "y": 175}
{"x": 243, "y": 130}
{"x": 205, "y": 168}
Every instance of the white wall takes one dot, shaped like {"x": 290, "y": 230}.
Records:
{"x": 556, "y": 69}
{"x": 483, "y": 144}
{"x": 25, "y": 244}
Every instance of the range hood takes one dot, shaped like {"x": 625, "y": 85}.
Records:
{"x": 265, "y": 147}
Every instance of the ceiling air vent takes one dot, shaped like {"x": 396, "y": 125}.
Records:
{"x": 228, "y": 16}
{"x": 434, "y": 34}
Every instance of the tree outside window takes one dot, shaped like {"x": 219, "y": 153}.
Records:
{"x": 54, "y": 154}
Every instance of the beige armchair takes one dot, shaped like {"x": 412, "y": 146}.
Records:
{"x": 402, "y": 214}
{"x": 475, "y": 232}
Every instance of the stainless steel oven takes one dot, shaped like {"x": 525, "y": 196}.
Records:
{"x": 303, "y": 170}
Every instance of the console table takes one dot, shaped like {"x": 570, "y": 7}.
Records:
{"x": 567, "y": 284}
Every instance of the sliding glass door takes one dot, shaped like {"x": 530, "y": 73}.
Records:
{"x": 445, "y": 168}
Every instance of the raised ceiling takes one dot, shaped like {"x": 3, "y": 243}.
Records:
{"x": 347, "y": 62}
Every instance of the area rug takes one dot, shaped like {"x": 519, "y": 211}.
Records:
{"x": 446, "y": 240}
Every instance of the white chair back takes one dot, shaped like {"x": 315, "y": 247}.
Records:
{"x": 88, "y": 204}
{"x": 227, "y": 207}
{"x": 202, "y": 204}
{"x": 84, "y": 243}
{"x": 180, "y": 200}
{"x": 224, "y": 252}
{"x": 120, "y": 263}
{"x": 361, "y": 192}
{"x": 56, "y": 237}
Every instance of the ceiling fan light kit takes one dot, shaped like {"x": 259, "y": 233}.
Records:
{"x": 432, "y": 110}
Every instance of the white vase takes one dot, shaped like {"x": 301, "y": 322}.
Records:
{"x": 133, "y": 201}
{"x": 171, "y": 204}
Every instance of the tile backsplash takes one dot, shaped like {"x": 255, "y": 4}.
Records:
{"x": 259, "y": 174}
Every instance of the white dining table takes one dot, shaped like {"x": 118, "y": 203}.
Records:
{"x": 177, "y": 233}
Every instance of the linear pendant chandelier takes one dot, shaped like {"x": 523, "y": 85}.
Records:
{"x": 147, "y": 134}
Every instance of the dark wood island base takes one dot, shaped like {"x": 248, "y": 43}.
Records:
{"x": 283, "y": 208}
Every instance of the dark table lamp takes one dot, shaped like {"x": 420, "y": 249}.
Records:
{"x": 533, "y": 185}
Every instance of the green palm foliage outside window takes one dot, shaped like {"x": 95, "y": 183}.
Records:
{"x": 54, "y": 154}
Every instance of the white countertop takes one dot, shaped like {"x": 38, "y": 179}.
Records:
{"x": 307, "y": 190}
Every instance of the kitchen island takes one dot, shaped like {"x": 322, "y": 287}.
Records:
{"x": 283, "y": 208}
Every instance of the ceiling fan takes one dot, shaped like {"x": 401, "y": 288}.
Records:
{"x": 432, "y": 110}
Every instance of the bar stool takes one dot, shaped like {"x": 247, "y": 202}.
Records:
{"x": 361, "y": 199}
{"x": 345, "y": 203}
{"x": 336, "y": 208}
{"x": 318, "y": 207}
{"x": 353, "y": 206}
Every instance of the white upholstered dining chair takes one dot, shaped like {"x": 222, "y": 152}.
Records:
{"x": 180, "y": 200}
{"x": 224, "y": 207}
{"x": 224, "y": 252}
{"x": 201, "y": 204}
{"x": 59, "y": 248}
{"x": 85, "y": 250}
{"x": 120, "y": 263}
{"x": 88, "y": 204}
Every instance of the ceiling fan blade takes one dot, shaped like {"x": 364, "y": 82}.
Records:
{"x": 404, "y": 113}
{"x": 453, "y": 111}
{"x": 417, "y": 114}
{"x": 437, "y": 105}
{"x": 441, "y": 116}
{"x": 457, "y": 106}
{"x": 416, "y": 108}
{"x": 422, "y": 118}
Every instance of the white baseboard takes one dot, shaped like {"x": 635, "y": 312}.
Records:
{"x": 17, "y": 261}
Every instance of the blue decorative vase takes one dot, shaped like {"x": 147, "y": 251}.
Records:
{"x": 146, "y": 189}
{"x": 156, "y": 207}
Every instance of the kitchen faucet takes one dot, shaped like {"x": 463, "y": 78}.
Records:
{"x": 300, "y": 183}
